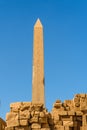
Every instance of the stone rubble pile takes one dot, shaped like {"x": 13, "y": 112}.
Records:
{"x": 72, "y": 114}
{"x": 67, "y": 115}
{"x": 28, "y": 116}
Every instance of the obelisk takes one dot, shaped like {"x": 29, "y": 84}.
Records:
{"x": 38, "y": 65}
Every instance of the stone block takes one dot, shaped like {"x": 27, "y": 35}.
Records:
{"x": 79, "y": 113}
{"x": 50, "y": 121}
{"x": 67, "y": 128}
{"x": 9, "y": 128}
{"x": 34, "y": 120}
{"x": 23, "y": 128}
{"x": 72, "y": 113}
{"x": 24, "y": 114}
{"x": 57, "y": 127}
{"x": 83, "y": 128}
{"x": 44, "y": 125}
{"x": 67, "y": 118}
{"x": 23, "y": 122}
{"x": 36, "y": 126}
{"x": 15, "y": 106}
{"x": 43, "y": 120}
{"x": 11, "y": 115}
{"x": 37, "y": 113}
{"x": 42, "y": 114}
{"x": 62, "y": 113}
{"x": 25, "y": 106}
{"x": 84, "y": 120}
{"x": 58, "y": 105}
{"x": 45, "y": 129}
{"x": 68, "y": 123}
{"x": 82, "y": 95}
{"x": 12, "y": 119}
{"x": 36, "y": 129}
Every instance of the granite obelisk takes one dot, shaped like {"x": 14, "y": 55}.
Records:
{"x": 38, "y": 65}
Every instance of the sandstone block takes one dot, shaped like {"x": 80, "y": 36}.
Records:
{"x": 15, "y": 106}
{"x": 12, "y": 119}
{"x": 68, "y": 123}
{"x": 37, "y": 113}
{"x": 36, "y": 126}
{"x": 43, "y": 120}
{"x": 67, "y": 128}
{"x": 62, "y": 113}
{"x": 25, "y": 106}
{"x": 57, "y": 127}
{"x": 58, "y": 105}
{"x": 83, "y": 128}
{"x": 11, "y": 115}
{"x": 24, "y": 114}
{"x": 36, "y": 129}
{"x": 23, "y": 122}
{"x": 72, "y": 113}
{"x": 44, "y": 125}
{"x": 67, "y": 118}
{"x": 42, "y": 114}
{"x": 50, "y": 121}
{"x": 34, "y": 120}
{"x": 79, "y": 113}
{"x": 45, "y": 129}
{"x": 9, "y": 128}
{"x": 23, "y": 128}
{"x": 58, "y": 122}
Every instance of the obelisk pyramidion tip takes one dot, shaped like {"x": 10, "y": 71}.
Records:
{"x": 38, "y": 23}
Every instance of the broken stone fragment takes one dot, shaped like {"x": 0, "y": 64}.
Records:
{"x": 42, "y": 114}
{"x": 43, "y": 120}
{"x": 34, "y": 120}
{"x": 25, "y": 106}
{"x": 23, "y": 122}
{"x": 24, "y": 114}
{"x": 23, "y": 128}
{"x": 12, "y": 119}
{"x": 45, "y": 129}
{"x": 9, "y": 128}
{"x": 46, "y": 125}
{"x": 15, "y": 106}
{"x": 36, "y": 126}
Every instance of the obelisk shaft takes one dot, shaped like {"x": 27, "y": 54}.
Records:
{"x": 38, "y": 65}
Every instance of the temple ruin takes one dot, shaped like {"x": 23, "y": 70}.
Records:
{"x": 67, "y": 115}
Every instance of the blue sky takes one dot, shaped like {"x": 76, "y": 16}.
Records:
{"x": 65, "y": 49}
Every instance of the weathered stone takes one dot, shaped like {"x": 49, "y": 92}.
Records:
{"x": 36, "y": 129}
{"x": 79, "y": 113}
{"x": 23, "y": 122}
{"x": 24, "y": 114}
{"x": 71, "y": 113}
{"x": 23, "y": 128}
{"x": 64, "y": 113}
{"x": 45, "y": 126}
{"x": 36, "y": 126}
{"x": 15, "y": 106}
{"x": 25, "y": 106}
{"x": 83, "y": 128}
{"x": 67, "y": 128}
{"x": 9, "y": 128}
{"x": 43, "y": 120}
{"x": 12, "y": 119}
{"x": 57, "y": 127}
{"x": 42, "y": 114}
{"x": 68, "y": 123}
{"x": 34, "y": 120}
